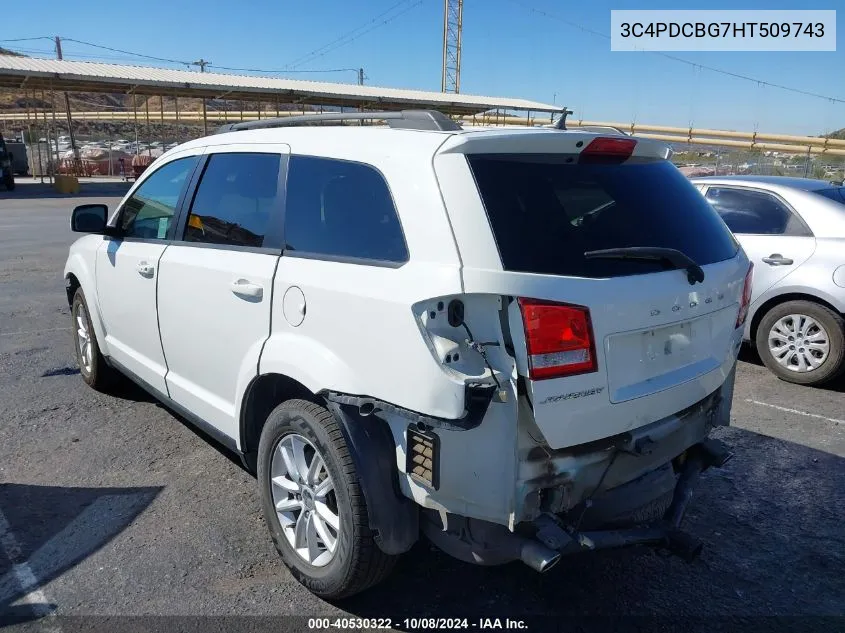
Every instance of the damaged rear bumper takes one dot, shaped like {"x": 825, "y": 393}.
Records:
{"x": 561, "y": 539}
{"x": 541, "y": 543}
{"x": 630, "y": 469}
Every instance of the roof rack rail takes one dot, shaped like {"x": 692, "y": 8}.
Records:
{"x": 403, "y": 119}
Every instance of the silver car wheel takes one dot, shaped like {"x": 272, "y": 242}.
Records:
{"x": 83, "y": 339}
{"x": 799, "y": 343}
{"x": 304, "y": 497}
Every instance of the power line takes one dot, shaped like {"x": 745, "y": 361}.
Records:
{"x": 117, "y": 50}
{"x": 282, "y": 70}
{"x": 67, "y": 55}
{"x": 372, "y": 28}
{"x": 127, "y": 57}
{"x": 354, "y": 34}
{"x": 29, "y": 39}
{"x": 296, "y": 62}
{"x": 713, "y": 69}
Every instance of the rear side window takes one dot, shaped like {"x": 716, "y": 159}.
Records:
{"x": 748, "y": 212}
{"x": 546, "y": 211}
{"x": 341, "y": 209}
{"x": 235, "y": 200}
{"x": 837, "y": 194}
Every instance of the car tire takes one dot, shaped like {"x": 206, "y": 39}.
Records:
{"x": 355, "y": 563}
{"x": 829, "y": 327}
{"x": 93, "y": 368}
{"x": 9, "y": 181}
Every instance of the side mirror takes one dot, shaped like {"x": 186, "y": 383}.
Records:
{"x": 89, "y": 218}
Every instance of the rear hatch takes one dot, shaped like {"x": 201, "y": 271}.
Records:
{"x": 608, "y": 337}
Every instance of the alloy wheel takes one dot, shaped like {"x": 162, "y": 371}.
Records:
{"x": 305, "y": 500}
{"x": 83, "y": 339}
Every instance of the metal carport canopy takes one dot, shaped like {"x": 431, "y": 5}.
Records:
{"x": 30, "y": 73}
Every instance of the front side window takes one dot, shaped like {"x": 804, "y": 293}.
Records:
{"x": 753, "y": 212}
{"x": 235, "y": 200}
{"x": 341, "y": 209}
{"x": 149, "y": 211}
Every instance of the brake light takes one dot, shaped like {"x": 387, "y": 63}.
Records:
{"x": 559, "y": 338}
{"x": 745, "y": 301}
{"x": 608, "y": 149}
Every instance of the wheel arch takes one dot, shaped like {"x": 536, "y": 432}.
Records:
{"x": 78, "y": 275}
{"x": 761, "y": 311}
{"x": 263, "y": 394}
{"x": 392, "y": 516}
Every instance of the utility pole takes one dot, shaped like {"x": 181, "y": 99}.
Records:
{"x": 73, "y": 147}
{"x": 360, "y": 76}
{"x": 202, "y": 64}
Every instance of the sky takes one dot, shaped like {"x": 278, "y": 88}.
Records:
{"x": 533, "y": 49}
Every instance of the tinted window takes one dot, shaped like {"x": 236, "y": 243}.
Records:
{"x": 753, "y": 212}
{"x": 341, "y": 209}
{"x": 546, "y": 213}
{"x": 235, "y": 200}
{"x": 149, "y": 211}
{"x": 834, "y": 193}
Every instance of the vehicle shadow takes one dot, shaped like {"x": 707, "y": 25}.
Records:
{"x": 748, "y": 354}
{"x": 771, "y": 521}
{"x": 126, "y": 389}
{"x": 47, "y": 530}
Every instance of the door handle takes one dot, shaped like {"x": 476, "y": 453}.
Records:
{"x": 244, "y": 288}
{"x": 145, "y": 269}
{"x": 776, "y": 259}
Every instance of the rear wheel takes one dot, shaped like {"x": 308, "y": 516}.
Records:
{"x": 313, "y": 504}
{"x": 802, "y": 342}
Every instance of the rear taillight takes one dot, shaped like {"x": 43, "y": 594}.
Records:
{"x": 608, "y": 149}
{"x": 745, "y": 301}
{"x": 559, "y": 339}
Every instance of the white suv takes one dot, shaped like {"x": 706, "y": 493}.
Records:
{"x": 515, "y": 342}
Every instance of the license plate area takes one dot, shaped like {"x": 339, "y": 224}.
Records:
{"x": 648, "y": 361}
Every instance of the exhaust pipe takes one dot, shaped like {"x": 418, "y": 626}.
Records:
{"x": 537, "y": 556}
{"x": 684, "y": 545}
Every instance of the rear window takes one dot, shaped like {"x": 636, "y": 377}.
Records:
{"x": 546, "y": 211}
{"x": 837, "y": 194}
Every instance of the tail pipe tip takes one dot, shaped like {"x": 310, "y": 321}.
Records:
{"x": 537, "y": 556}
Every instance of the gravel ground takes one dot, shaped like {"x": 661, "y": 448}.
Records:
{"x": 121, "y": 508}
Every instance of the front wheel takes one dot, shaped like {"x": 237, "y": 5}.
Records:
{"x": 802, "y": 342}
{"x": 92, "y": 366}
{"x": 313, "y": 504}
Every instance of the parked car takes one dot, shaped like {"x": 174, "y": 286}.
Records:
{"x": 19, "y": 157}
{"x": 793, "y": 230}
{"x": 7, "y": 176}
{"x": 509, "y": 341}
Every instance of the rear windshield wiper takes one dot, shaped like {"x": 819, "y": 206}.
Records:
{"x": 673, "y": 256}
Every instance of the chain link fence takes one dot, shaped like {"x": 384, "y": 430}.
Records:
{"x": 720, "y": 162}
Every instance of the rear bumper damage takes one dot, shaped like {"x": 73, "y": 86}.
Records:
{"x": 618, "y": 473}
{"x": 665, "y": 533}
{"x": 541, "y": 543}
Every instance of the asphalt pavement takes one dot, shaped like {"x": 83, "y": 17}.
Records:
{"x": 113, "y": 506}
